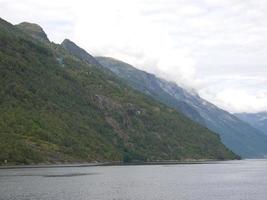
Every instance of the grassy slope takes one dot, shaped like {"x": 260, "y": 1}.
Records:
{"x": 56, "y": 108}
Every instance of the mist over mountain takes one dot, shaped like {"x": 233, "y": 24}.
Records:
{"x": 57, "y": 107}
{"x": 257, "y": 120}
{"x": 237, "y": 135}
{"x": 133, "y": 100}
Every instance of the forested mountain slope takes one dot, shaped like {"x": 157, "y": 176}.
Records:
{"x": 237, "y": 135}
{"x": 56, "y": 107}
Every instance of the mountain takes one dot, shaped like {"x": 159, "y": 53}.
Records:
{"x": 56, "y": 107}
{"x": 257, "y": 120}
{"x": 34, "y": 30}
{"x": 237, "y": 135}
{"x": 81, "y": 53}
{"x": 149, "y": 84}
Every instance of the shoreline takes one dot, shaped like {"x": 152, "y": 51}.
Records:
{"x": 118, "y": 163}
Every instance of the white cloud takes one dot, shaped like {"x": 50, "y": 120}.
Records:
{"x": 240, "y": 99}
{"x": 237, "y": 93}
{"x": 218, "y": 47}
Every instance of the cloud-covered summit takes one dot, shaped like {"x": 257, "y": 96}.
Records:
{"x": 218, "y": 47}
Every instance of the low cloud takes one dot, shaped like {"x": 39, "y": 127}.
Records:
{"x": 237, "y": 93}
{"x": 218, "y": 47}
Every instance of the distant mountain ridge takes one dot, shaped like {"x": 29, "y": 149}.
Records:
{"x": 57, "y": 108}
{"x": 237, "y": 135}
{"x": 257, "y": 120}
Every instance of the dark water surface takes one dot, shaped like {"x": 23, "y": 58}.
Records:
{"x": 231, "y": 180}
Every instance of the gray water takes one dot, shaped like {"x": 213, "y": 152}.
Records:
{"x": 231, "y": 180}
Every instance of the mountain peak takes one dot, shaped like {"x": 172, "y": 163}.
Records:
{"x": 67, "y": 41}
{"x": 34, "y": 30}
{"x": 75, "y": 50}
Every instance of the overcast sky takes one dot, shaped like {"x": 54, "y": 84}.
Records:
{"x": 217, "y": 47}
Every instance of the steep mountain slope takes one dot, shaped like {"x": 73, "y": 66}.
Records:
{"x": 257, "y": 120}
{"x": 56, "y": 107}
{"x": 82, "y": 54}
{"x": 237, "y": 135}
{"x": 149, "y": 84}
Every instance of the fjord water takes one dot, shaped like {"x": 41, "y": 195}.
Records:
{"x": 231, "y": 180}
